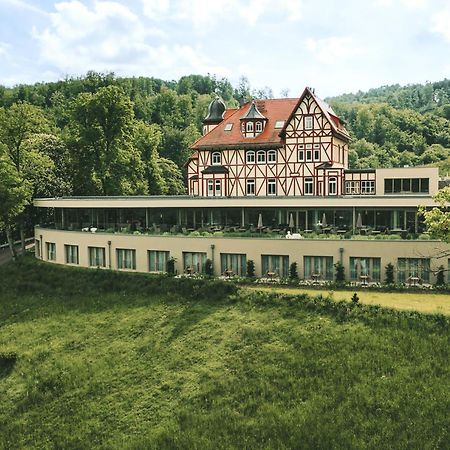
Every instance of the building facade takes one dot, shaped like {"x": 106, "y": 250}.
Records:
{"x": 261, "y": 173}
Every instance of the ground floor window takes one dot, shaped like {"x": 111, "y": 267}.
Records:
{"x": 51, "y": 251}
{"x": 194, "y": 261}
{"x": 318, "y": 267}
{"x": 233, "y": 263}
{"x": 71, "y": 254}
{"x": 250, "y": 187}
{"x": 413, "y": 268}
{"x": 157, "y": 260}
{"x": 97, "y": 256}
{"x": 365, "y": 267}
{"x": 275, "y": 264}
{"x": 126, "y": 258}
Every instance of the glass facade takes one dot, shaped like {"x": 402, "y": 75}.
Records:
{"x": 366, "y": 267}
{"x": 126, "y": 258}
{"x": 235, "y": 263}
{"x": 194, "y": 261}
{"x": 413, "y": 267}
{"x": 97, "y": 256}
{"x": 318, "y": 267}
{"x": 275, "y": 264}
{"x": 71, "y": 254}
{"x": 51, "y": 251}
{"x": 157, "y": 260}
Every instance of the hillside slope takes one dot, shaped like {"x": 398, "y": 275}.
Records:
{"x": 110, "y": 360}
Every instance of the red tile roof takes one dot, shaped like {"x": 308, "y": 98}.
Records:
{"x": 281, "y": 109}
{"x": 273, "y": 109}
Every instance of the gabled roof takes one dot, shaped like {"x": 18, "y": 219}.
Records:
{"x": 274, "y": 110}
{"x": 253, "y": 113}
{"x": 335, "y": 123}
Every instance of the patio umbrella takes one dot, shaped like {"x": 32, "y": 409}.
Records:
{"x": 324, "y": 221}
{"x": 291, "y": 222}
{"x": 359, "y": 221}
{"x": 260, "y": 222}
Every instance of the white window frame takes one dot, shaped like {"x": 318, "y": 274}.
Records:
{"x": 367, "y": 187}
{"x": 217, "y": 187}
{"x": 210, "y": 187}
{"x": 352, "y": 187}
{"x": 301, "y": 153}
{"x": 308, "y": 181}
{"x": 271, "y": 186}
{"x": 248, "y": 187}
{"x": 261, "y": 157}
{"x": 309, "y": 122}
{"x": 316, "y": 153}
{"x": 272, "y": 156}
{"x": 258, "y": 127}
{"x": 216, "y": 159}
{"x": 332, "y": 186}
{"x": 250, "y": 157}
{"x": 249, "y": 127}
{"x": 309, "y": 153}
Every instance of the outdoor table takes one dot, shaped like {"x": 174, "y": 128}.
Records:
{"x": 241, "y": 230}
{"x": 376, "y": 232}
{"x": 191, "y": 230}
{"x": 229, "y": 273}
{"x": 315, "y": 277}
{"x": 189, "y": 270}
{"x": 364, "y": 279}
{"x": 413, "y": 281}
{"x": 397, "y": 231}
{"x": 271, "y": 275}
{"x": 341, "y": 231}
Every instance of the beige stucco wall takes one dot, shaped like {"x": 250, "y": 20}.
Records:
{"x": 408, "y": 172}
{"x": 387, "y": 250}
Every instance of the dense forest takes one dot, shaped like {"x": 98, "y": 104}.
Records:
{"x": 103, "y": 135}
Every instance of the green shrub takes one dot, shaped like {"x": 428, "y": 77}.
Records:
{"x": 171, "y": 266}
{"x": 209, "y": 268}
{"x": 440, "y": 276}
{"x": 339, "y": 275}
{"x": 293, "y": 273}
{"x": 250, "y": 268}
{"x": 389, "y": 274}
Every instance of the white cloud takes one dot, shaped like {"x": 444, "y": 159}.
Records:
{"x": 206, "y": 14}
{"x": 155, "y": 9}
{"x": 441, "y": 23}
{"x": 333, "y": 49}
{"x": 410, "y": 4}
{"x": 24, "y": 5}
{"x": 109, "y": 36}
{"x": 4, "y": 49}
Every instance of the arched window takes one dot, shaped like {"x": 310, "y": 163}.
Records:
{"x": 261, "y": 156}
{"x": 250, "y": 156}
{"x": 332, "y": 186}
{"x": 258, "y": 127}
{"x": 272, "y": 156}
{"x": 216, "y": 159}
{"x": 249, "y": 127}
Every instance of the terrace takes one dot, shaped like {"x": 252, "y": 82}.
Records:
{"x": 269, "y": 223}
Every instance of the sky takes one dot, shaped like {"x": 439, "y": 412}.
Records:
{"x": 333, "y": 46}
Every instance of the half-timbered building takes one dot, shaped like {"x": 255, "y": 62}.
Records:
{"x": 266, "y": 171}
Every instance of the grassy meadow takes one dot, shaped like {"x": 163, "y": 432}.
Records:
{"x": 96, "y": 359}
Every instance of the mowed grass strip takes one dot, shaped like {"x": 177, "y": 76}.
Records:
{"x": 423, "y": 302}
{"x": 94, "y": 359}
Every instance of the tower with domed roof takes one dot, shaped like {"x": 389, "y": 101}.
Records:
{"x": 216, "y": 110}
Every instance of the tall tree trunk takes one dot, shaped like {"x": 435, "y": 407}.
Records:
{"x": 12, "y": 249}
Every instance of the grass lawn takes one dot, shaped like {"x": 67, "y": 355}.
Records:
{"x": 97, "y": 359}
{"x": 427, "y": 302}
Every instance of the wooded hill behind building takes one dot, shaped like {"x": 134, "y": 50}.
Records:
{"x": 103, "y": 135}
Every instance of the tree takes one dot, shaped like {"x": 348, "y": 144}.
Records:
{"x": 15, "y": 194}
{"x": 250, "y": 268}
{"x": 440, "y": 276}
{"x": 437, "y": 219}
{"x": 293, "y": 274}
{"x": 102, "y": 146}
{"x": 172, "y": 176}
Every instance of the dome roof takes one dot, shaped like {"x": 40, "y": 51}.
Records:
{"x": 216, "y": 110}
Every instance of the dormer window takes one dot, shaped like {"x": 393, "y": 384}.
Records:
{"x": 252, "y": 122}
{"x": 258, "y": 127}
{"x": 249, "y": 127}
{"x": 216, "y": 159}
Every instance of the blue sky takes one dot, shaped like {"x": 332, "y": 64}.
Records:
{"x": 333, "y": 46}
